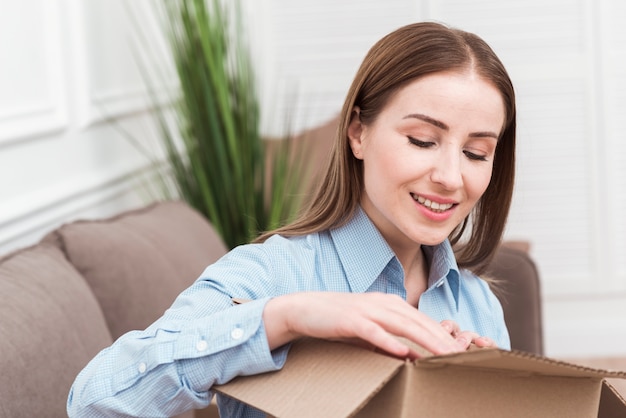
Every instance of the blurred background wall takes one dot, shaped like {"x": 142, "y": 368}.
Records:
{"x": 70, "y": 90}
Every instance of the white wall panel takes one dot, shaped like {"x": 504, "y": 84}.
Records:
{"x": 32, "y": 98}
{"x": 26, "y": 218}
{"x": 615, "y": 203}
{"x": 43, "y": 183}
{"x": 317, "y": 47}
{"x": 587, "y": 326}
{"x": 120, "y": 41}
{"x": 613, "y": 19}
{"x": 614, "y": 76}
{"x": 73, "y": 169}
{"x": 554, "y": 176}
{"x": 518, "y": 29}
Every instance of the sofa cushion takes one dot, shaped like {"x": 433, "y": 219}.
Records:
{"x": 138, "y": 262}
{"x": 50, "y": 327}
{"x": 519, "y": 289}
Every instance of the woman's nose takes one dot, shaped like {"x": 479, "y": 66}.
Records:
{"x": 447, "y": 171}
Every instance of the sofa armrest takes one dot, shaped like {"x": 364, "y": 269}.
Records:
{"x": 518, "y": 287}
{"x": 51, "y": 327}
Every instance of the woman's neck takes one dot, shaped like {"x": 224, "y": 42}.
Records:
{"x": 416, "y": 271}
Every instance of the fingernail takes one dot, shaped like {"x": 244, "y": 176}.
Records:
{"x": 484, "y": 341}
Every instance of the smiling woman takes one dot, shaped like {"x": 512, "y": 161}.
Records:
{"x": 439, "y": 157}
{"x": 426, "y": 140}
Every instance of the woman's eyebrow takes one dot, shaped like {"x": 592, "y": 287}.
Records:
{"x": 439, "y": 124}
{"x": 484, "y": 134}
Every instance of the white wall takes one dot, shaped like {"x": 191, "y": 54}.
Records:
{"x": 66, "y": 62}
{"x": 67, "y": 65}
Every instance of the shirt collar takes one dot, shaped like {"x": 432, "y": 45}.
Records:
{"x": 364, "y": 254}
{"x": 443, "y": 268}
{"x": 363, "y": 251}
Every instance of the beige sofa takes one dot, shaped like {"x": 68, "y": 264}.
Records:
{"x": 82, "y": 286}
{"x": 88, "y": 282}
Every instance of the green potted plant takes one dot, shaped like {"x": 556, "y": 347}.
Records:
{"x": 217, "y": 160}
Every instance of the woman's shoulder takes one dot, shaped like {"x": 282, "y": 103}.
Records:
{"x": 296, "y": 242}
{"x": 276, "y": 248}
{"x": 478, "y": 286}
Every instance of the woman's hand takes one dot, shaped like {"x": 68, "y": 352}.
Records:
{"x": 376, "y": 318}
{"x": 466, "y": 338}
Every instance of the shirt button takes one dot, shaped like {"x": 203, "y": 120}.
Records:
{"x": 202, "y": 345}
{"x": 236, "y": 334}
{"x": 142, "y": 367}
{"x": 440, "y": 284}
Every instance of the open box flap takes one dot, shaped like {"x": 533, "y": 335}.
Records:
{"x": 319, "y": 379}
{"x": 517, "y": 361}
{"x": 331, "y": 379}
{"x": 472, "y": 392}
{"x": 612, "y": 404}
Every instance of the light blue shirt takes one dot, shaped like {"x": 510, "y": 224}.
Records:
{"x": 203, "y": 339}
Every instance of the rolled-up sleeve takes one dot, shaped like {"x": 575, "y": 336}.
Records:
{"x": 202, "y": 340}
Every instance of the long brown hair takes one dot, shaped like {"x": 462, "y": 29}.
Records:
{"x": 402, "y": 56}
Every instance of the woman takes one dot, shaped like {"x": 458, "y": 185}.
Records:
{"x": 424, "y": 152}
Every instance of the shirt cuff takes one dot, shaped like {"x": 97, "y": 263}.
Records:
{"x": 233, "y": 344}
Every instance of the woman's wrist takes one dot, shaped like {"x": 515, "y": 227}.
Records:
{"x": 276, "y": 316}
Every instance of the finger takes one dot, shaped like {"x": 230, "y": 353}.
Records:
{"x": 450, "y": 326}
{"x": 378, "y": 319}
{"x": 382, "y": 329}
{"x": 404, "y": 350}
{"x": 485, "y": 342}
{"x": 465, "y": 338}
{"x": 403, "y": 320}
{"x": 440, "y": 339}
{"x": 378, "y": 337}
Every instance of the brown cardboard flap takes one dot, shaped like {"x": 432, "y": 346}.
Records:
{"x": 457, "y": 391}
{"x": 612, "y": 404}
{"x": 332, "y": 379}
{"x": 518, "y": 361}
{"x": 319, "y": 379}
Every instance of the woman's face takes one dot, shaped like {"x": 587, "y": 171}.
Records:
{"x": 428, "y": 156}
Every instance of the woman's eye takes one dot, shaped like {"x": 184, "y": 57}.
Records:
{"x": 474, "y": 156}
{"x": 419, "y": 143}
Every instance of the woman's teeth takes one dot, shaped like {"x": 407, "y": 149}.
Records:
{"x": 434, "y": 206}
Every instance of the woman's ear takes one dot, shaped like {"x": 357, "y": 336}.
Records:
{"x": 355, "y": 133}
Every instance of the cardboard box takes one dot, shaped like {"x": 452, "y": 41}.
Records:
{"x": 331, "y": 379}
